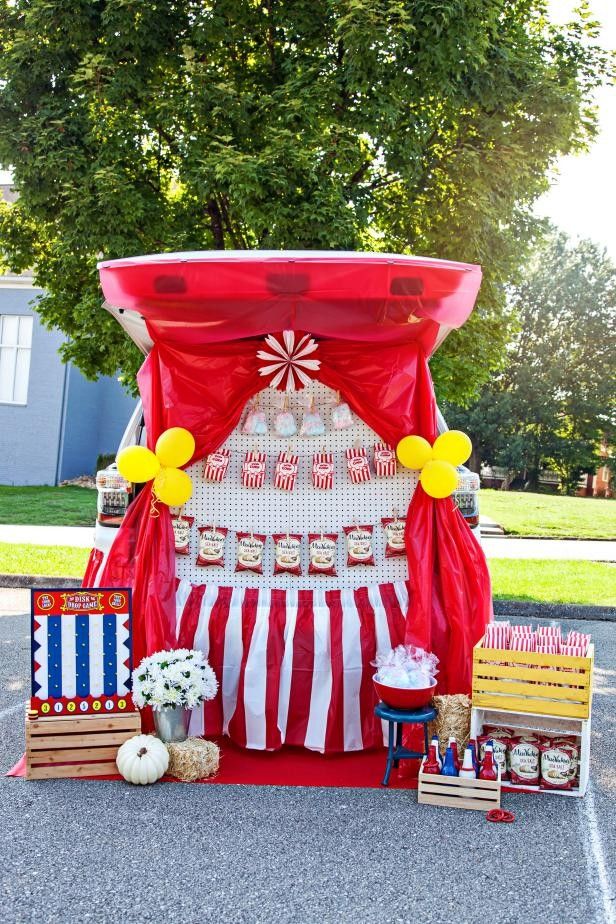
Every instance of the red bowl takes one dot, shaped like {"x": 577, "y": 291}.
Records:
{"x": 403, "y": 698}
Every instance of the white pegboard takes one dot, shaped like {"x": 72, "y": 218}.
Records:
{"x": 304, "y": 510}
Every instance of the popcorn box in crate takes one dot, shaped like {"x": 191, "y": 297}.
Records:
{"x": 532, "y": 682}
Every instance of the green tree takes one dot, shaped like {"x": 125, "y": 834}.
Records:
{"x": 408, "y": 125}
{"x": 555, "y": 400}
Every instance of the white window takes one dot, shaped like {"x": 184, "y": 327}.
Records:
{"x": 15, "y": 347}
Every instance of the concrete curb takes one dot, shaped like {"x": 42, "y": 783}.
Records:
{"x": 35, "y": 580}
{"x": 516, "y": 608}
{"x": 502, "y": 608}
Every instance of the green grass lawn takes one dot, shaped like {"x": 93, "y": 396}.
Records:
{"x": 49, "y": 560}
{"x": 522, "y": 514}
{"x": 69, "y": 506}
{"x": 589, "y": 582}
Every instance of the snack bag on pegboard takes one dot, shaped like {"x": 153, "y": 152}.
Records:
{"x": 216, "y": 465}
{"x": 181, "y": 533}
{"x": 255, "y": 423}
{"x": 384, "y": 461}
{"x": 312, "y": 422}
{"x": 212, "y": 546}
{"x": 253, "y": 469}
{"x": 323, "y": 470}
{"x": 249, "y": 552}
{"x": 287, "y": 553}
{"x": 359, "y": 545}
{"x": 394, "y": 536}
{"x": 341, "y": 415}
{"x": 285, "y": 472}
{"x": 322, "y": 553}
{"x": 357, "y": 465}
{"x": 284, "y": 422}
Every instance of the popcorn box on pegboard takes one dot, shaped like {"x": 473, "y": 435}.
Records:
{"x": 533, "y": 682}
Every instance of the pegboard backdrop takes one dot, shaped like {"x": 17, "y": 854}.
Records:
{"x": 303, "y": 510}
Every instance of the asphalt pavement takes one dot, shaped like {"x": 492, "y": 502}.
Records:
{"x": 75, "y": 851}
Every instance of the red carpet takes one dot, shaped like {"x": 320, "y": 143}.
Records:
{"x": 295, "y": 767}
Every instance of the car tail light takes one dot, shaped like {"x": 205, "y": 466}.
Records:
{"x": 114, "y": 496}
{"x": 472, "y": 521}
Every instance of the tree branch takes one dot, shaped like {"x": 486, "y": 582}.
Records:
{"x": 216, "y": 223}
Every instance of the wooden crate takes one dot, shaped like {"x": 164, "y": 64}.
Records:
{"x": 458, "y": 792}
{"x": 76, "y": 747}
{"x": 531, "y": 682}
{"x": 550, "y": 725}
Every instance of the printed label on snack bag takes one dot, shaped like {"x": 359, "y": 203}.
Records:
{"x": 181, "y": 533}
{"x": 250, "y": 552}
{"x": 524, "y": 762}
{"x": 211, "y": 546}
{"x": 394, "y": 536}
{"x": 322, "y": 553}
{"x": 287, "y": 549}
{"x": 359, "y": 545}
{"x": 555, "y": 768}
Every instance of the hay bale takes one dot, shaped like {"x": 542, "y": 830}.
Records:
{"x": 193, "y": 759}
{"x": 453, "y": 719}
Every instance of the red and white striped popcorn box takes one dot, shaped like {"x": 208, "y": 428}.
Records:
{"x": 497, "y": 635}
{"x": 357, "y": 465}
{"x": 216, "y": 465}
{"x": 574, "y": 651}
{"x": 253, "y": 469}
{"x": 549, "y": 632}
{"x": 384, "y": 461}
{"x": 323, "y": 470}
{"x": 579, "y": 639}
{"x": 523, "y": 642}
{"x": 285, "y": 472}
{"x": 522, "y": 630}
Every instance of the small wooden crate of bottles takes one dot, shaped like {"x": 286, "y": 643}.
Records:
{"x": 458, "y": 792}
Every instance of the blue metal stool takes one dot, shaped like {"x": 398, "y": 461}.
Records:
{"x": 398, "y": 717}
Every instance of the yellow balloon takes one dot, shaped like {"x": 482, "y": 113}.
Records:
{"x": 175, "y": 447}
{"x": 137, "y": 463}
{"x": 172, "y": 486}
{"x": 439, "y": 478}
{"x": 453, "y": 446}
{"x": 413, "y": 451}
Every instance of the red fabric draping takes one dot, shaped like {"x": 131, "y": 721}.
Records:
{"x": 450, "y": 598}
{"x": 205, "y": 389}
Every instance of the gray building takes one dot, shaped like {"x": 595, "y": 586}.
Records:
{"x": 53, "y": 422}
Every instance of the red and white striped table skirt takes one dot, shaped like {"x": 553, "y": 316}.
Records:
{"x": 293, "y": 665}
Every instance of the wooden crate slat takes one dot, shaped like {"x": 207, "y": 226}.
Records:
{"x": 512, "y": 688}
{"x": 73, "y": 754}
{"x": 485, "y": 655}
{"x": 566, "y": 693}
{"x": 484, "y": 795}
{"x": 528, "y": 704}
{"x": 77, "y": 747}
{"x": 490, "y": 671}
{"x": 66, "y": 771}
{"x": 43, "y": 742}
{"x": 457, "y": 781}
{"x": 482, "y": 805}
{"x": 458, "y": 792}
{"x": 68, "y": 724}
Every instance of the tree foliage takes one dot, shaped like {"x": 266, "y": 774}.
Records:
{"x": 414, "y": 126}
{"x": 554, "y": 403}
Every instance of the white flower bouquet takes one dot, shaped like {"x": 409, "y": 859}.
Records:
{"x": 174, "y": 678}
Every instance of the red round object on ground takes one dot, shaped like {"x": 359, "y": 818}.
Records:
{"x": 403, "y": 697}
{"x": 500, "y": 815}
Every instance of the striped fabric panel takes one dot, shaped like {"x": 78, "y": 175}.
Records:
{"x": 295, "y": 665}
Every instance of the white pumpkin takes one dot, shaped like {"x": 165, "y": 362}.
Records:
{"x": 142, "y": 759}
